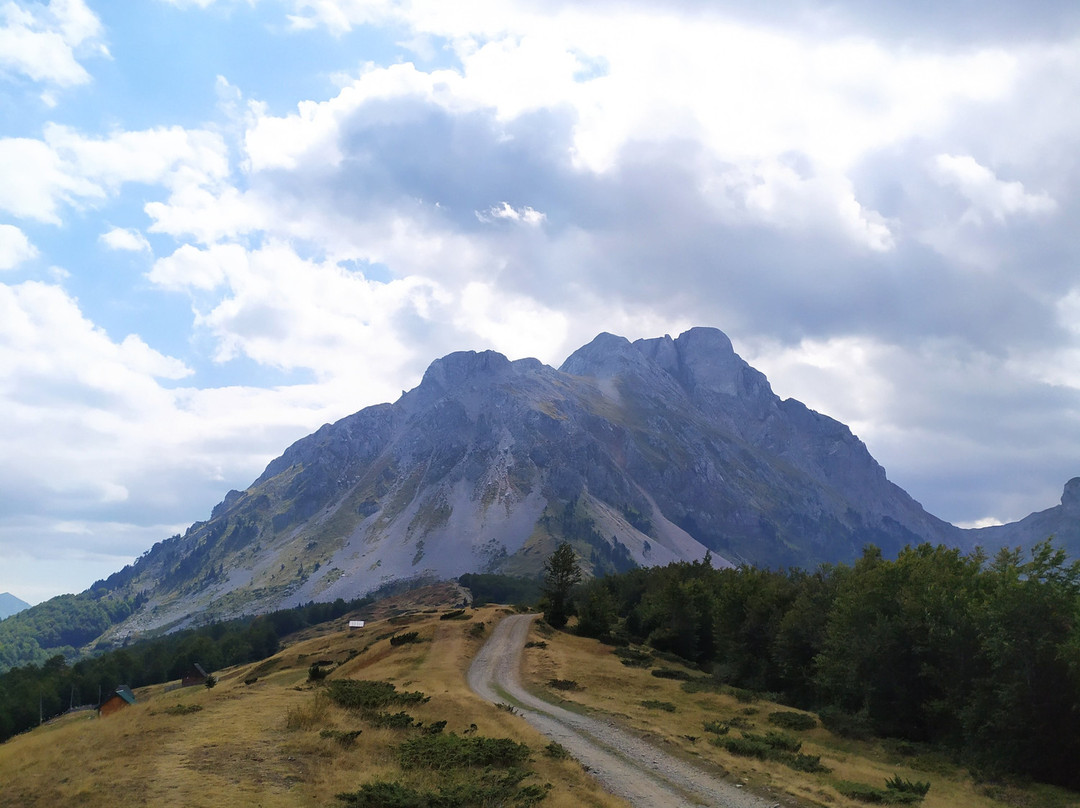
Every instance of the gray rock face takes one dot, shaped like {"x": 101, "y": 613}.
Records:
{"x": 637, "y": 453}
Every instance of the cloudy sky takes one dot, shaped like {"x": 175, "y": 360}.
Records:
{"x": 224, "y": 223}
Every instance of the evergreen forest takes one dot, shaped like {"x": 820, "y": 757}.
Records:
{"x": 977, "y": 657}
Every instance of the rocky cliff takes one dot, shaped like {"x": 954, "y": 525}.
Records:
{"x": 637, "y": 453}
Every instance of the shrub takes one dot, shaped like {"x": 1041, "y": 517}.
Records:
{"x": 476, "y": 629}
{"x": 457, "y": 614}
{"x": 666, "y": 706}
{"x": 633, "y": 657}
{"x": 536, "y": 644}
{"x": 316, "y": 673}
{"x": 434, "y": 728}
{"x": 906, "y": 786}
{"x": 406, "y": 638}
{"x": 562, "y": 684}
{"x": 368, "y": 694}
{"x": 717, "y": 727}
{"x": 670, "y": 673}
{"x": 400, "y": 720}
{"x": 742, "y": 695}
{"x": 792, "y": 720}
{"x": 211, "y": 680}
{"x": 871, "y": 794}
{"x": 443, "y": 752}
{"x": 556, "y": 751}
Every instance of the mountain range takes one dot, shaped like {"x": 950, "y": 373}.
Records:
{"x": 9, "y": 605}
{"x": 637, "y": 453}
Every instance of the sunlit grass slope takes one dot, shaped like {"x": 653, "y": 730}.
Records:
{"x": 584, "y": 673}
{"x": 258, "y": 738}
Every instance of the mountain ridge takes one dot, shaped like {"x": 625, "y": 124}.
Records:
{"x": 638, "y": 453}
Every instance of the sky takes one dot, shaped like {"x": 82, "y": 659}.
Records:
{"x": 224, "y": 223}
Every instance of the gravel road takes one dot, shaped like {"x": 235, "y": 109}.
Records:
{"x": 628, "y": 767}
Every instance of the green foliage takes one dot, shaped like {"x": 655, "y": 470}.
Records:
{"x": 406, "y": 638}
{"x": 670, "y": 673}
{"x": 774, "y": 746}
{"x": 562, "y": 684}
{"x": 556, "y": 751}
{"x": 451, "y": 752}
{"x": 976, "y": 659}
{"x": 895, "y": 783}
{"x": 561, "y": 575}
{"x": 717, "y": 727}
{"x": 871, "y": 794}
{"x": 370, "y": 694}
{"x": 652, "y": 704}
{"x": 477, "y": 629}
{"x": 633, "y": 657}
{"x": 457, "y": 614}
{"x": 210, "y": 682}
{"x": 399, "y": 720}
{"x": 490, "y": 788}
{"x": 792, "y": 720}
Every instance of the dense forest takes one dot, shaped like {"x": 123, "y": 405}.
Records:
{"x": 979, "y": 657}
{"x": 30, "y": 692}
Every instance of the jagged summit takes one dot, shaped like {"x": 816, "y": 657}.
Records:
{"x": 637, "y": 453}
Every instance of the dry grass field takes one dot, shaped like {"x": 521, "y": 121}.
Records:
{"x": 665, "y": 711}
{"x": 257, "y": 738}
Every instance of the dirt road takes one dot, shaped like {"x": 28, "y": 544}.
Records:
{"x": 627, "y": 766}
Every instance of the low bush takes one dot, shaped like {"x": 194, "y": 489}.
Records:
{"x": 791, "y": 720}
{"x": 864, "y": 792}
{"x": 536, "y": 644}
{"x": 671, "y": 673}
{"x": 406, "y": 638}
{"x": 556, "y": 751}
{"x": 633, "y": 657}
{"x": 400, "y": 720}
{"x": 447, "y": 752}
{"x": 457, "y": 614}
{"x": 477, "y": 629}
{"x": 717, "y": 727}
{"x": 563, "y": 684}
{"x": 666, "y": 706}
{"x": 907, "y": 786}
{"x": 368, "y": 694}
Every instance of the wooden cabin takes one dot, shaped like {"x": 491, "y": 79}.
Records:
{"x": 195, "y": 676}
{"x": 118, "y": 700}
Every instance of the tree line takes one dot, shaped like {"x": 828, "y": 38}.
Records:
{"x": 979, "y": 657}
{"x": 30, "y": 692}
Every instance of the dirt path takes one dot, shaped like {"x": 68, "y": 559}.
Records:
{"x": 628, "y": 767}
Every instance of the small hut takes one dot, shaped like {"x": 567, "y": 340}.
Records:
{"x": 195, "y": 676}
{"x": 119, "y": 699}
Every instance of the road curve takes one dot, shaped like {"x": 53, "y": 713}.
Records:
{"x": 637, "y": 771}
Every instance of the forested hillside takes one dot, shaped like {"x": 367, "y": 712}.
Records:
{"x": 34, "y": 691}
{"x": 978, "y": 657}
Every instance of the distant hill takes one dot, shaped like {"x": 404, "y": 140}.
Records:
{"x": 636, "y": 453}
{"x": 9, "y": 605}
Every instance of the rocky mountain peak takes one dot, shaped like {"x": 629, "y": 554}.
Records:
{"x": 704, "y": 358}
{"x": 1070, "y": 497}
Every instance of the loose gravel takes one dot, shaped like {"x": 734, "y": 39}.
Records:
{"x": 629, "y": 767}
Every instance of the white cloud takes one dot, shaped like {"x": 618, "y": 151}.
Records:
{"x": 524, "y": 215}
{"x": 43, "y": 41}
{"x": 69, "y": 168}
{"x": 987, "y": 195}
{"x": 15, "y": 247}
{"x": 128, "y": 240}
